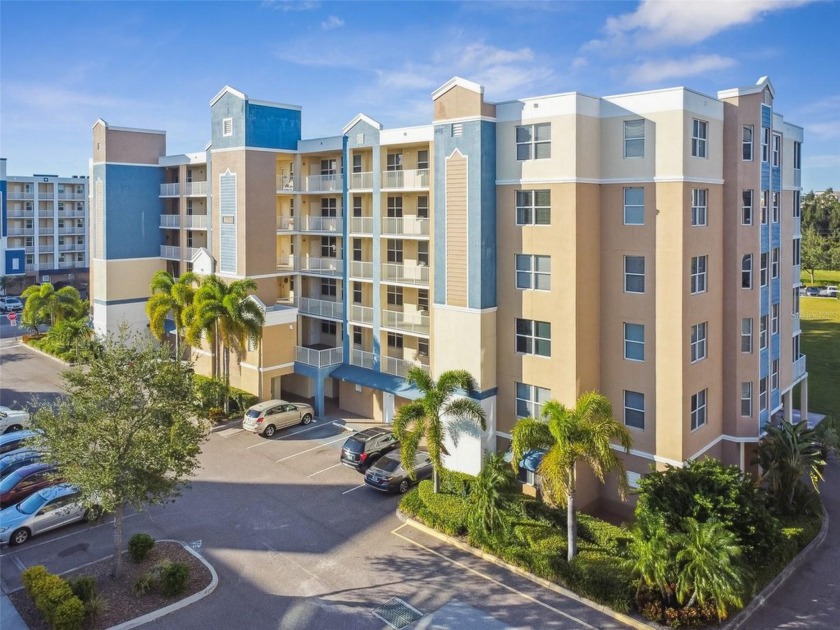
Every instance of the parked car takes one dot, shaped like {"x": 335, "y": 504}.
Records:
{"x": 389, "y": 475}
{"x": 11, "y": 461}
{"x": 829, "y": 291}
{"x": 27, "y": 480}
{"x": 10, "y": 303}
{"x": 269, "y": 416}
{"x": 365, "y": 447}
{"x": 42, "y": 511}
{"x": 812, "y": 291}
{"x": 13, "y": 419}
{"x": 12, "y": 440}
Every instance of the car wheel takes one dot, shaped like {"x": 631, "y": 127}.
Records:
{"x": 269, "y": 431}
{"x": 403, "y": 486}
{"x": 19, "y": 536}
{"x": 307, "y": 418}
{"x": 14, "y": 427}
{"x": 92, "y": 514}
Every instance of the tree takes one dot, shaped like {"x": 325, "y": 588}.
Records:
{"x": 489, "y": 496}
{"x": 72, "y": 339}
{"x": 652, "y": 558}
{"x": 123, "y": 435}
{"x": 226, "y": 315}
{"x": 169, "y": 295}
{"x": 821, "y": 213}
{"x": 45, "y": 305}
{"x": 584, "y": 433}
{"x": 813, "y": 248}
{"x": 424, "y": 417}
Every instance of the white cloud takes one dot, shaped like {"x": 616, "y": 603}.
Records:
{"x": 291, "y": 5}
{"x": 657, "y": 70}
{"x": 825, "y": 130}
{"x": 331, "y": 23}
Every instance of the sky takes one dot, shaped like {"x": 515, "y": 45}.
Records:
{"x": 157, "y": 65}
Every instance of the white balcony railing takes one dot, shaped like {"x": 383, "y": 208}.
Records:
{"x": 285, "y": 223}
{"x": 322, "y": 224}
{"x": 406, "y": 274}
{"x": 21, "y": 231}
{"x": 287, "y": 263}
{"x": 329, "y": 266}
{"x": 360, "y": 269}
{"x": 195, "y": 221}
{"x": 362, "y": 314}
{"x": 322, "y": 308}
{"x": 20, "y": 214}
{"x": 405, "y": 226}
{"x": 361, "y": 225}
{"x": 361, "y": 181}
{"x": 362, "y": 358}
{"x": 413, "y": 322}
{"x": 311, "y": 183}
{"x": 319, "y": 358}
{"x": 799, "y": 367}
{"x": 69, "y": 196}
{"x": 399, "y": 367}
{"x": 195, "y": 189}
{"x": 170, "y": 190}
{"x": 16, "y": 194}
{"x": 67, "y": 247}
{"x": 170, "y": 221}
{"x": 170, "y": 252}
{"x": 408, "y": 179}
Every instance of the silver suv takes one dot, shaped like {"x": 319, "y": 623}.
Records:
{"x": 266, "y": 417}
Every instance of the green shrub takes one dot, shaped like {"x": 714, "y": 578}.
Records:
{"x": 801, "y": 530}
{"x": 210, "y": 394}
{"x": 53, "y": 596}
{"x": 143, "y": 584}
{"x": 174, "y": 579}
{"x": 83, "y": 587}
{"x": 33, "y": 580}
{"x": 450, "y": 512}
{"x": 611, "y": 538}
{"x": 603, "y": 578}
{"x": 96, "y": 606}
{"x": 69, "y": 614}
{"x": 411, "y": 504}
{"x": 139, "y": 547}
{"x": 452, "y": 482}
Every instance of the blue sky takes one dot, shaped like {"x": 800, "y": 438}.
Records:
{"x": 156, "y": 65}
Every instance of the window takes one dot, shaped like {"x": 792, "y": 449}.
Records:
{"x": 746, "y": 334}
{"x": 395, "y": 341}
{"x": 395, "y": 251}
{"x": 698, "y": 342}
{"x": 357, "y": 162}
{"x": 634, "y": 409}
{"x": 60, "y": 207}
{"x": 634, "y": 274}
{"x": 395, "y": 207}
{"x": 762, "y": 394}
{"x": 796, "y": 251}
{"x": 634, "y": 138}
{"x": 357, "y": 206}
{"x": 423, "y": 159}
{"x": 765, "y": 143}
{"x": 746, "y": 207}
{"x": 533, "y": 207}
{"x": 774, "y": 263}
{"x": 777, "y": 149}
{"x": 533, "y": 337}
{"x": 698, "y": 274}
{"x": 776, "y": 204}
{"x": 328, "y": 328}
{"x": 422, "y": 207}
{"x": 762, "y": 332}
{"x": 357, "y": 336}
{"x": 746, "y": 399}
{"x": 774, "y": 375}
{"x": 28, "y": 242}
{"x": 698, "y": 206}
{"x": 533, "y": 142}
{"x": 328, "y": 246}
{"x": 423, "y": 300}
{"x": 329, "y": 287}
{"x": 698, "y": 409}
{"x": 395, "y": 296}
{"x": 795, "y": 347}
{"x": 774, "y": 319}
{"x": 423, "y": 253}
{"x": 423, "y": 347}
{"x": 227, "y": 127}
{"x": 763, "y": 269}
{"x": 797, "y": 203}
{"x": 747, "y": 143}
{"x": 329, "y": 207}
{"x": 533, "y": 272}
{"x": 795, "y": 303}
{"x": 765, "y": 201}
{"x": 634, "y": 342}
{"x": 357, "y": 249}
{"x": 634, "y": 206}
{"x": 797, "y": 155}
{"x": 394, "y": 161}
{"x": 699, "y": 135}
{"x": 329, "y": 166}
{"x": 530, "y": 400}
{"x": 357, "y": 293}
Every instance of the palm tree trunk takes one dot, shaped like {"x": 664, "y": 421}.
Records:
{"x": 435, "y": 480}
{"x": 227, "y": 380}
{"x": 118, "y": 535}
{"x": 571, "y": 517}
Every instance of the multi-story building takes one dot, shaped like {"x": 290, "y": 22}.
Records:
{"x": 44, "y": 228}
{"x": 643, "y": 245}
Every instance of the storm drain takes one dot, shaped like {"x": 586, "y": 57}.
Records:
{"x": 397, "y": 614}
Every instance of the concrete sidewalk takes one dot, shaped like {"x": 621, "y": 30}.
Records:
{"x": 9, "y": 617}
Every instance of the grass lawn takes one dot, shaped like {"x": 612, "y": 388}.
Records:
{"x": 821, "y": 277}
{"x": 820, "y": 320}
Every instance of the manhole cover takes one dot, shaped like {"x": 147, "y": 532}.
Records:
{"x": 397, "y": 614}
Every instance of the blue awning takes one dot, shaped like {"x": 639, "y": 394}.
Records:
{"x": 376, "y": 380}
{"x": 169, "y": 325}
{"x": 531, "y": 460}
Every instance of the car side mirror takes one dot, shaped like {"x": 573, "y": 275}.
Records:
{"x": 41, "y": 512}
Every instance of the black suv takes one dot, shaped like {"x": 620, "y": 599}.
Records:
{"x": 365, "y": 447}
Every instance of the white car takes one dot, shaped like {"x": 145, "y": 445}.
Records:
{"x": 12, "y": 419}
{"x": 10, "y": 303}
{"x": 47, "y": 509}
{"x": 267, "y": 417}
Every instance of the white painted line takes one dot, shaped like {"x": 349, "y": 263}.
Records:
{"x": 314, "y": 448}
{"x": 325, "y": 469}
{"x": 292, "y": 560}
{"x": 263, "y": 443}
{"x": 285, "y": 435}
{"x": 356, "y": 488}
{"x": 345, "y": 427}
{"x": 19, "y": 563}
{"x": 228, "y": 432}
{"x": 52, "y": 540}
{"x": 492, "y": 579}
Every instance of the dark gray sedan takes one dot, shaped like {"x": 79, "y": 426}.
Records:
{"x": 389, "y": 475}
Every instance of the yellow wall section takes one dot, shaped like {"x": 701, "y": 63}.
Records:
{"x": 465, "y": 340}
{"x": 456, "y": 230}
{"x": 126, "y": 279}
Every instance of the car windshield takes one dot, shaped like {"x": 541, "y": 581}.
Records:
{"x": 9, "y": 482}
{"x": 32, "y": 504}
{"x": 354, "y": 446}
{"x": 387, "y": 464}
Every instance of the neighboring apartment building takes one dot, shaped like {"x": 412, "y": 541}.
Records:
{"x": 44, "y": 228}
{"x": 643, "y": 245}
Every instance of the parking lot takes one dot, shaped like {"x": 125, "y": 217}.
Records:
{"x": 299, "y": 541}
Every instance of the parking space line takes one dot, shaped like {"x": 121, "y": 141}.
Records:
{"x": 19, "y": 563}
{"x": 325, "y": 469}
{"x": 356, "y": 488}
{"x": 461, "y": 565}
{"x": 283, "y": 459}
{"x": 285, "y": 435}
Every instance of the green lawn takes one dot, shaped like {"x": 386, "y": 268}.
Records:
{"x": 821, "y": 277}
{"x": 820, "y": 319}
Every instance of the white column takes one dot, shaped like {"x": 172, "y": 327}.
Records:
{"x": 803, "y": 399}
{"x": 787, "y": 401}
{"x": 741, "y": 456}
{"x": 387, "y": 407}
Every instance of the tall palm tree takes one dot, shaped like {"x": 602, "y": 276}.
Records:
{"x": 227, "y": 317}
{"x": 169, "y": 295}
{"x": 424, "y": 417}
{"x": 46, "y": 305}
{"x": 569, "y": 435}
{"x": 489, "y": 495}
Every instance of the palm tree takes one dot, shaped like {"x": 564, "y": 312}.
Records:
{"x": 228, "y": 317}
{"x": 651, "y": 553}
{"x": 424, "y": 417}
{"x": 489, "y": 496}
{"x": 583, "y": 433}
{"x": 169, "y": 295}
{"x": 72, "y": 337}
{"x": 46, "y": 305}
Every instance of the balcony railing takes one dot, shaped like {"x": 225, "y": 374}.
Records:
{"x": 195, "y": 221}
{"x": 311, "y": 183}
{"x": 67, "y": 248}
{"x": 195, "y": 189}
{"x": 68, "y": 196}
{"x": 414, "y": 322}
{"x": 170, "y": 221}
{"x": 360, "y": 269}
{"x": 319, "y": 358}
{"x": 406, "y": 274}
{"x": 362, "y": 358}
{"x": 405, "y": 226}
{"x": 170, "y": 190}
{"x": 362, "y": 314}
{"x": 16, "y": 194}
{"x": 407, "y": 179}
{"x": 399, "y": 367}
{"x": 361, "y": 225}
{"x": 21, "y": 214}
{"x": 21, "y": 231}
{"x": 287, "y": 263}
{"x": 799, "y": 367}
{"x": 170, "y": 252}
{"x": 321, "y": 224}
{"x": 360, "y": 181}
{"x": 329, "y": 266}
{"x": 322, "y": 308}
{"x": 285, "y": 223}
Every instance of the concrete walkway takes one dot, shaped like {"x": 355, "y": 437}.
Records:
{"x": 9, "y": 617}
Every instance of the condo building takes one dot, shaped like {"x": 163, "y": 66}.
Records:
{"x": 44, "y": 228}
{"x": 644, "y": 245}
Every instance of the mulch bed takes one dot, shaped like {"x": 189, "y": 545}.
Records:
{"x": 123, "y": 605}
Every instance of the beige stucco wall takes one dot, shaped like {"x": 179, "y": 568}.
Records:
{"x": 124, "y": 279}
{"x": 464, "y": 340}
{"x": 361, "y": 403}
{"x": 127, "y": 147}
{"x": 461, "y": 102}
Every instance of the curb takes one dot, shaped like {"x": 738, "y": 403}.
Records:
{"x": 625, "y": 619}
{"x": 45, "y": 354}
{"x": 758, "y": 601}
{"x": 157, "y": 614}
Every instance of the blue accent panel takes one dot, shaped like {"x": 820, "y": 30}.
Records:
{"x": 776, "y": 237}
{"x": 318, "y": 375}
{"x": 483, "y": 294}
{"x": 764, "y": 237}
{"x": 774, "y": 346}
{"x": 233, "y": 107}
{"x": 765, "y": 176}
{"x": 375, "y": 380}
{"x": 764, "y": 307}
{"x": 774, "y": 399}
{"x": 271, "y": 127}
{"x": 345, "y": 254}
{"x": 15, "y": 262}
{"x": 132, "y": 208}
{"x": 776, "y": 179}
{"x": 775, "y": 289}
{"x": 227, "y": 230}
{"x": 766, "y": 116}
{"x": 763, "y": 418}
{"x": 3, "y": 216}
{"x": 763, "y": 364}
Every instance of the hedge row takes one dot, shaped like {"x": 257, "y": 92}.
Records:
{"x": 53, "y": 596}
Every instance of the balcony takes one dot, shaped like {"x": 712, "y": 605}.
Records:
{"x": 20, "y": 214}
{"x": 17, "y": 194}
{"x": 321, "y": 308}
{"x": 360, "y": 225}
{"x": 405, "y": 226}
{"x": 70, "y": 264}
{"x": 799, "y": 367}
{"x": 288, "y": 263}
{"x": 399, "y": 367}
{"x": 67, "y": 248}
{"x": 310, "y": 184}
{"x": 321, "y": 224}
{"x": 195, "y": 189}
{"x": 360, "y": 269}
{"x": 195, "y": 221}
{"x": 21, "y": 231}
{"x": 410, "y": 179}
{"x": 170, "y": 221}
{"x": 69, "y": 196}
{"x": 362, "y": 358}
{"x": 170, "y": 190}
{"x": 173, "y": 252}
{"x": 326, "y": 266}
{"x": 416, "y": 322}
{"x": 405, "y": 274}
{"x": 285, "y": 223}
{"x": 360, "y": 181}
{"x": 319, "y": 358}
{"x": 361, "y": 314}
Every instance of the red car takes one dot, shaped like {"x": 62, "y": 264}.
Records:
{"x": 18, "y": 485}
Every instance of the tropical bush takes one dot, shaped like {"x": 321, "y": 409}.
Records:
{"x": 210, "y": 395}
{"x": 54, "y": 597}
{"x": 139, "y": 547}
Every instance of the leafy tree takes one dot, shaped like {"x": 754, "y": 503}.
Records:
{"x": 821, "y": 213}
{"x": 490, "y": 495}
{"x": 584, "y": 433}
{"x": 424, "y": 417}
{"x": 123, "y": 434}
{"x": 169, "y": 295}
{"x": 45, "y": 305}
{"x": 813, "y": 249}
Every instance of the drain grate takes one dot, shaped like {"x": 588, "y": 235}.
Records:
{"x": 397, "y": 614}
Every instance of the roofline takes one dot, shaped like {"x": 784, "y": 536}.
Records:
{"x": 460, "y": 82}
